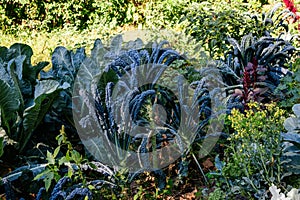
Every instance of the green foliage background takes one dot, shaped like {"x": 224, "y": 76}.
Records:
{"x": 45, "y": 24}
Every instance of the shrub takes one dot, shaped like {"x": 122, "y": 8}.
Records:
{"x": 50, "y": 15}
{"x": 211, "y": 24}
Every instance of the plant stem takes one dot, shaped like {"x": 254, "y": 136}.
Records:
{"x": 199, "y": 166}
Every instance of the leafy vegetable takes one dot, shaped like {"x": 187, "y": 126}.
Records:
{"x": 65, "y": 64}
{"x": 254, "y": 68}
{"x": 24, "y": 99}
{"x": 129, "y": 83}
{"x": 291, "y": 144}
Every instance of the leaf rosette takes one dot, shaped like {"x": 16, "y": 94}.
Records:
{"x": 133, "y": 110}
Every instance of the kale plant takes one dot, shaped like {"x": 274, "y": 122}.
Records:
{"x": 63, "y": 190}
{"x": 252, "y": 71}
{"x": 65, "y": 64}
{"x": 24, "y": 98}
{"x": 125, "y": 106}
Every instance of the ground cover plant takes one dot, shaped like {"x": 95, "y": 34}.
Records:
{"x": 64, "y": 71}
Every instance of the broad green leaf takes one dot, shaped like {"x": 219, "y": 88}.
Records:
{"x": 292, "y": 137}
{"x": 98, "y": 51}
{"x": 116, "y": 44}
{"x": 4, "y": 74}
{"x": 48, "y": 180}
{"x": 70, "y": 172}
{"x": 24, "y": 50}
{"x": 60, "y": 58}
{"x": 50, "y": 158}
{"x": 50, "y": 175}
{"x": 45, "y": 87}
{"x": 77, "y": 58}
{"x": 65, "y": 64}
{"x": 45, "y": 92}
{"x": 290, "y": 124}
{"x": 18, "y": 49}
{"x": 3, "y": 53}
{"x": 106, "y": 77}
{"x": 290, "y": 158}
{"x": 56, "y": 151}
{"x": 11, "y": 66}
{"x": 136, "y": 44}
{"x": 18, "y": 66}
{"x": 293, "y": 159}
{"x": 76, "y": 157}
{"x": 9, "y": 104}
{"x": 296, "y": 109}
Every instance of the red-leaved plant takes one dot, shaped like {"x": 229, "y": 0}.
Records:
{"x": 252, "y": 75}
{"x": 289, "y": 4}
{"x": 254, "y": 68}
